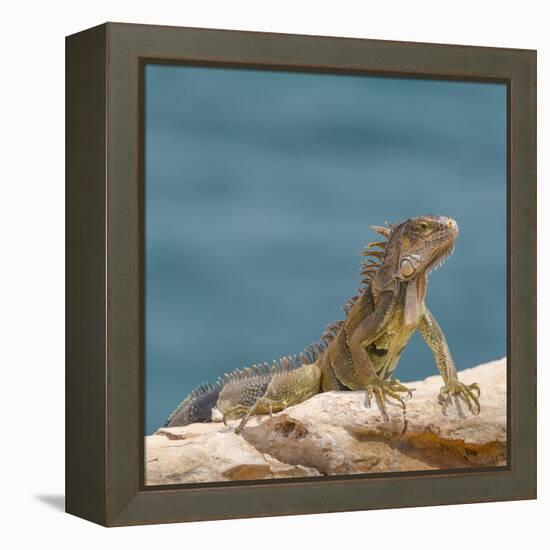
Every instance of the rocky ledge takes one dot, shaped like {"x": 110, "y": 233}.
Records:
{"x": 336, "y": 433}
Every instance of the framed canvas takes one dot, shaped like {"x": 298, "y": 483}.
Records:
{"x": 219, "y": 187}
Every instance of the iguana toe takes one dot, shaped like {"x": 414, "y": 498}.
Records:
{"x": 469, "y": 394}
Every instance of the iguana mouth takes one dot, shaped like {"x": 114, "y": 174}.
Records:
{"x": 445, "y": 250}
{"x": 441, "y": 258}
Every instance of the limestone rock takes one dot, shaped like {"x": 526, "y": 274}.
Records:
{"x": 209, "y": 452}
{"x": 337, "y": 433}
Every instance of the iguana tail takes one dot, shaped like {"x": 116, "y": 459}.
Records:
{"x": 197, "y": 406}
{"x": 252, "y": 388}
{"x": 240, "y": 388}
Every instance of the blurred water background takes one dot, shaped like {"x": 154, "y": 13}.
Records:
{"x": 260, "y": 190}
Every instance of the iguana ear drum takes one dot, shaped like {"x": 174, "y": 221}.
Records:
{"x": 406, "y": 268}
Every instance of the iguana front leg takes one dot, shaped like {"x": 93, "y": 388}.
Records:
{"x": 434, "y": 337}
{"x": 369, "y": 330}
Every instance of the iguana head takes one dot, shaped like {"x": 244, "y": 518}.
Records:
{"x": 411, "y": 250}
{"x": 423, "y": 243}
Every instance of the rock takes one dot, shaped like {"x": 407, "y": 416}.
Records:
{"x": 209, "y": 452}
{"x": 336, "y": 433}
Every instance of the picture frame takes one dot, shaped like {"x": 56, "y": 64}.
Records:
{"x": 105, "y": 273}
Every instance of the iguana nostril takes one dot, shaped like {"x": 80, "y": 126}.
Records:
{"x": 452, "y": 224}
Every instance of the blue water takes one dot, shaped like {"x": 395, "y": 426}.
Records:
{"x": 260, "y": 190}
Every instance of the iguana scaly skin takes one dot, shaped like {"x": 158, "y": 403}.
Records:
{"x": 360, "y": 352}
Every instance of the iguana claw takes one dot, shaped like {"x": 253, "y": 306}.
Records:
{"x": 396, "y": 385}
{"x": 467, "y": 393}
{"x": 244, "y": 413}
{"x": 381, "y": 389}
{"x": 239, "y": 411}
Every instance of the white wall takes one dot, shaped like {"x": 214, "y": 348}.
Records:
{"x": 32, "y": 285}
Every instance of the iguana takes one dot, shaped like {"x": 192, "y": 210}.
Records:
{"x": 360, "y": 352}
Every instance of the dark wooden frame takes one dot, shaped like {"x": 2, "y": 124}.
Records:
{"x": 104, "y": 382}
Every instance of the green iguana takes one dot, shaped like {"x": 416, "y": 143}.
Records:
{"x": 360, "y": 352}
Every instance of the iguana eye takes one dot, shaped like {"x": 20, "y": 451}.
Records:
{"x": 422, "y": 226}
